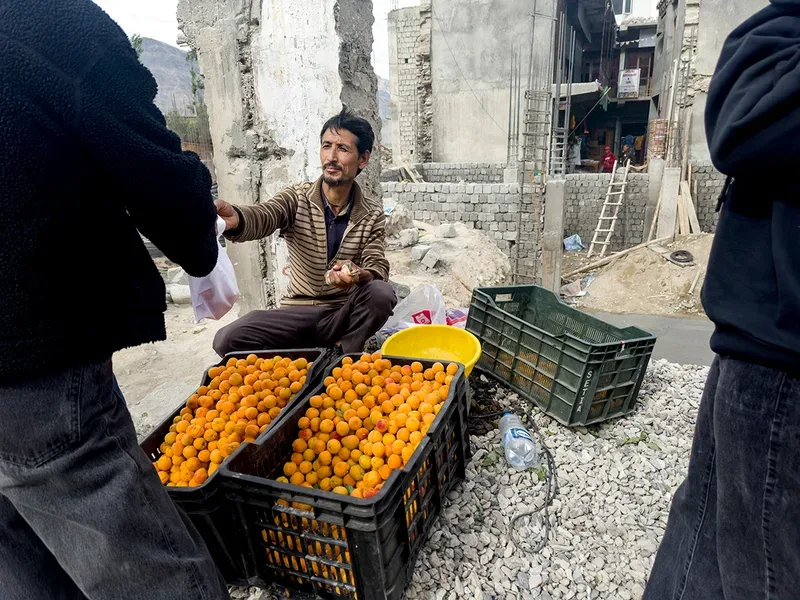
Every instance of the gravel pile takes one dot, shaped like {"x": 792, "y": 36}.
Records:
{"x": 615, "y": 482}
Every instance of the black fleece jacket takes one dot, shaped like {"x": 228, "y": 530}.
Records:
{"x": 85, "y": 162}
{"x": 752, "y": 289}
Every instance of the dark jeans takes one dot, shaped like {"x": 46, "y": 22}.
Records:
{"x": 351, "y": 324}
{"x": 82, "y": 511}
{"x": 734, "y": 527}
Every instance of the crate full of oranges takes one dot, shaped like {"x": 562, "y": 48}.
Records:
{"x": 337, "y": 500}
{"x": 214, "y": 422}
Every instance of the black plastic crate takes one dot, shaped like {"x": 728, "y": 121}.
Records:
{"x": 335, "y": 546}
{"x": 205, "y": 504}
{"x": 575, "y": 367}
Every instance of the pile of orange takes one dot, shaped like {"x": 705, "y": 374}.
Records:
{"x": 239, "y": 403}
{"x": 367, "y": 423}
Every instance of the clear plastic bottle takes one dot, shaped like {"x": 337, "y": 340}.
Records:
{"x": 520, "y": 449}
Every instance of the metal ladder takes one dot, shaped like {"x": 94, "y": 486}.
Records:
{"x": 610, "y": 212}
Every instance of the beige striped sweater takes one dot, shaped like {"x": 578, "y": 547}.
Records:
{"x": 298, "y": 213}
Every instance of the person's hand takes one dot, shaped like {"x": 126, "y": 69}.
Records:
{"x": 345, "y": 275}
{"x": 228, "y": 214}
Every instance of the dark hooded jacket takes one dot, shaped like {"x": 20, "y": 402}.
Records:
{"x": 752, "y": 288}
{"x": 86, "y": 163}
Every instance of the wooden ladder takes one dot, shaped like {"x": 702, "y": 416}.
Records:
{"x": 610, "y": 211}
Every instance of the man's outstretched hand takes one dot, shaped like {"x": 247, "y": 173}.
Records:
{"x": 228, "y": 214}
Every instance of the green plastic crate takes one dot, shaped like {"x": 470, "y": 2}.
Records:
{"x": 575, "y": 367}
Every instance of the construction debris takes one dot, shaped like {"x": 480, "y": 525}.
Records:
{"x": 418, "y": 252}
{"x": 431, "y": 258}
{"x": 608, "y": 259}
{"x": 409, "y": 237}
{"x": 446, "y": 230}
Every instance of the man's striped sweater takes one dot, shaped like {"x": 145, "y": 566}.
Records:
{"x": 298, "y": 212}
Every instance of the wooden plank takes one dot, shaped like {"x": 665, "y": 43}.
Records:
{"x": 683, "y": 218}
{"x": 689, "y": 206}
{"x": 668, "y": 214}
{"x": 694, "y": 283}
{"x": 608, "y": 259}
{"x": 655, "y": 218}
{"x": 411, "y": 173}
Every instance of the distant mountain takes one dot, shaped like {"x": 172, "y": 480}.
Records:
{"x": 172, "y": 72}
{"x": 384, "y": 111}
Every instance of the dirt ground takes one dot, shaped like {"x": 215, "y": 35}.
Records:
{"x": 468, "y": 260}
{"x": 156, "y": 378}
{"x": 643, "y": 282}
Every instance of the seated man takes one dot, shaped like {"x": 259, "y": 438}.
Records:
{"x": 329, "y": 225}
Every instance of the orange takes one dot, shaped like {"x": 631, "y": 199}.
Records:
{"x": 297, "y": 478}
{"x": 341, "y": 469}
{"x": 289, "y": 469}
{"x": 305, "y": 467}
{"x": 372, "y": 479}
{"x": 412, "y": 424}
{"x": 350, "y": 442}
{"x": 364, "y": 462}
{"x": 394, "y": 462}
{"x": 407, "y": 453}
{"x": 376, "y": 463}
{"x": 325, "y": 457}
{"x": 357, "y": 473}
{"x": 452, "y": 369}
{"x": 343, "y": 428}
{"x": 164, "y": 463}
{"x": 385, "y": 471}
{"x": 416, "y": 367}
{"x": 378, "y": 449}
{"x": 334, "y": 446}
{"x": 341, "y": 490}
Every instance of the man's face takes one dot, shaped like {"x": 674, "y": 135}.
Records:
{"x": 339, "y": 157}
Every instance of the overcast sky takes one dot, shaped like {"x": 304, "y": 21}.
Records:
{"x": 156, "y": 19}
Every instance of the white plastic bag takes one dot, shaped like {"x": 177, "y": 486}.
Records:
{"x": 423, "y": 306}
{"x": 215, "y": 294}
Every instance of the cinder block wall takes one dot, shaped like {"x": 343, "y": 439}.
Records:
{"x": 462, "y": 172}
{"x": 452, "y": 173}
{"x": 709, "y": 186}
{"x": 585, "y": 194}
{"x": 490, "y": 207}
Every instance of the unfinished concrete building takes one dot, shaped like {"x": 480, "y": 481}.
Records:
{"x": 274, "y": 73}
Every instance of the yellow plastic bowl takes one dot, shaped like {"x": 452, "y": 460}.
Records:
{"x": 435, "y": 342}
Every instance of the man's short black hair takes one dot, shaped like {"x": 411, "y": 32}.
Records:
{"x": 349, "y": 121}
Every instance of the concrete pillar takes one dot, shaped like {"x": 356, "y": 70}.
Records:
{"x": 273, "y": 76}
{"x": 655, "y": 169}
{"x": 553, "y": 234}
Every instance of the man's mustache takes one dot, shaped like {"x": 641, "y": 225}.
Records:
{"x": 334, "y": 165}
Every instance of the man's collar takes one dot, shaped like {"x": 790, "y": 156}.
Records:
{"x": 347, "y": 206}
{"x": 358, "y": 203}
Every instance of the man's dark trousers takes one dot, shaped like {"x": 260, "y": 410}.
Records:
{"x": 82, "y": 511}
{"x": 733, "y": 531}
{"x": 368, "y": 307}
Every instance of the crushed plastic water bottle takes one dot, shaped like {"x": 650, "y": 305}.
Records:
{"x": 520, "y": 449}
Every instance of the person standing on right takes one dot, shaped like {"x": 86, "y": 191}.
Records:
{"x": 734, "y": 526}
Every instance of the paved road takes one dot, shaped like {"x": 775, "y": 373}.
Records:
{"x": 680, "y": 340}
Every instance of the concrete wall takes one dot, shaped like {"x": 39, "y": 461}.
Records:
{"x": 707, "y": 183}
{"x": 403, "y": 38}
{"x": 273, "y": 76}
{"x": 462, "y": 172}
{"x": 496, "y": 209}
{"x": 472, "y": 43}
{"x": 717, "y": 19}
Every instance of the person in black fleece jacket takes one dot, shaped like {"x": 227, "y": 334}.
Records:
{"x": 734, "y": 526}
{"x": 86, "y": 164}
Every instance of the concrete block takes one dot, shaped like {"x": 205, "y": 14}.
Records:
{"x": 409, "y": 237}
{"x": 447, "y": 230}
{"x": 431, "y": 257}
{"x": 418, "y": 252}
{"x": 179, "y": 294}
{"x": 176, "y": 275}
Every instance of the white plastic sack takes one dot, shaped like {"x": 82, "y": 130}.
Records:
{"x": 423, "y": 306}
{"x": 215, "y": 294}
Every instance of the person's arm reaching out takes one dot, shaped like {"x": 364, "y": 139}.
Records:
{"x": 166, "y": 191}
